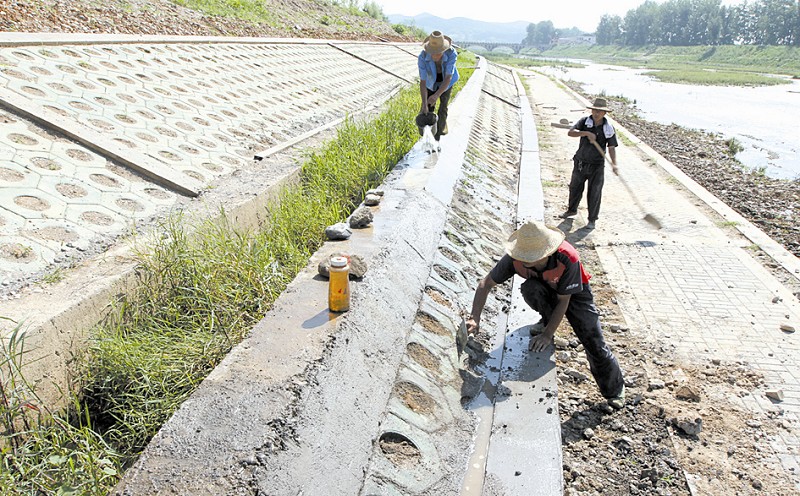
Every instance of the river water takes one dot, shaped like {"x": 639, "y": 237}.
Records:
{"x": 762, "y": 119}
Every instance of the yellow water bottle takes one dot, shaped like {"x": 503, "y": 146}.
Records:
{"x": 339, "y": 285}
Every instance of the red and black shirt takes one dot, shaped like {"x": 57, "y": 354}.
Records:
{"x": 563, "y": 272}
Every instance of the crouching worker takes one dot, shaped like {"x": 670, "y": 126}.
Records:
{"x": 556, "y": 285}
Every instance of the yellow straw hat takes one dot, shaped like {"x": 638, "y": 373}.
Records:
{"x": 533, "y": 241}
{"x": 436, "y": 43}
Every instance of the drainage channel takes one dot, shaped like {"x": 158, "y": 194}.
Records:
{"x": 446, "y": 411}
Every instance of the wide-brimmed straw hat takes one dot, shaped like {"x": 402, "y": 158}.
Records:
{"x": 600, "y": 104}
{"x": 436, "y": 43}
{"x": 533, "y": 241}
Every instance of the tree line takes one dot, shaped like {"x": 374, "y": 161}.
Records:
{"x": 704, "y": 22}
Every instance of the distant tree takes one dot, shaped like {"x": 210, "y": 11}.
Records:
{"x": 374, "y": 10}
{"x": 609, "y": 31}
{"x": 540, "y": 34}
{"x": 636, "y": 28}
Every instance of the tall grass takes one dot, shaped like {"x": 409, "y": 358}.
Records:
{"x": 202, "y": 288}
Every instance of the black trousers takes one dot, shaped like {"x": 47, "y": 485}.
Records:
{"x": 585, "y": 321}
{"x": 444, "y": 100}
{"x": 581, "y": 173}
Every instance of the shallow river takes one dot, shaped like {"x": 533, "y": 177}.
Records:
{"x": 762, "y": 119}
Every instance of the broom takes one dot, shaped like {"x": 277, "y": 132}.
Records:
{"x": 648, "y": 217}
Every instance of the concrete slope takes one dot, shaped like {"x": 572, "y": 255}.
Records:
{"x": 101, "y": 136}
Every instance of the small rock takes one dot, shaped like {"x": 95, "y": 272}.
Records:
{"x": 560, "y": 343}
{"x": 716, "y": 361}
{"x": 689, "y": 425}
{"x": 563, "y": 356}
{"x": 687, "y": 393}
{"x": 775, "y": 394}
{"x": 517, "y": 473}
{"x": 372, "y": 200}
{"x": 787, "y": 328}
{"x": 358, "y": 266}
{"x": 579, "y": 376}
{"x": 338, "y": 232}
{"x": 588, "y": 433}
{"x": 362, "y": 217}
{"x": 656, "y": 384}
{"x": 777, "y": 299}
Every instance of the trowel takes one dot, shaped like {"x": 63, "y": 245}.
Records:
{"x": 461, "y": 337}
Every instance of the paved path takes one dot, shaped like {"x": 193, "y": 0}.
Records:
{"x": 693, "y": 284}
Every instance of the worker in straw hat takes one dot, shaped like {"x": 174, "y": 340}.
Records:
{"x": 556, "y": 285}
{"x": 589, "y": 162}
{"x": 437, "y": 75}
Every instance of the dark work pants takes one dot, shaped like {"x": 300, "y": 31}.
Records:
{"x": 585, "y": 321}
{"x": 581, "y": 173}
{"x": 444, "y": 99}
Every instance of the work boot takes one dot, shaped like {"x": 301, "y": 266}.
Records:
{"x": 590, "y": 224}
{"x": 568, "y": 214}
{"x": 444, "y": 129}
{"x": 618, "y": 401}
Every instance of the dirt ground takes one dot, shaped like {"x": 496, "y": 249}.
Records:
{"x": 291, "y": 18}
{"x": 652, "y": 445}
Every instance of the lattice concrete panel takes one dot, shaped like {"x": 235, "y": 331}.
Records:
{"x": 396, "y": 61}
{"x": 57, "y": 196}
{"x": 199, "y": 109}
{"x": 500, "y": 82}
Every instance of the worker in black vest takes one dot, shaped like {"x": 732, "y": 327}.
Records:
{"x": 589, "y": 162}
{"x": 556, "y": 285}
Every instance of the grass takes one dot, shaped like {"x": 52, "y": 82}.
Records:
{"x": 202, "y": 289}
{"x": 249, "y": 10}
{"x": 715, "y": 77}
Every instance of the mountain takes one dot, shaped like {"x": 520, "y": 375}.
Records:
{"x": 463, "y": 29}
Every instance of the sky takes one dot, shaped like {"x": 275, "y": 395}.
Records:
{"x": 584, "y": 14}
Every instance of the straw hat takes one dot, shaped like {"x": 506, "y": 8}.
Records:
{"x": 436, "y": 43}
{"x": 600, "y": 104}
{"x": 533, "y": 241}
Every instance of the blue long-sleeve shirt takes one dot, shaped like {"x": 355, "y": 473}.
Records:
{"x": 427, "y": 68}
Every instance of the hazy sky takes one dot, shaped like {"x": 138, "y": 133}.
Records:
{"x": 585, "y": 14}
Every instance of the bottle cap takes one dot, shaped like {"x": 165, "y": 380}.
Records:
{"x": 338, "y": 262}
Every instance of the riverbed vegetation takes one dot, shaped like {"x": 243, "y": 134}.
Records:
{"x": 203, "y": 287}
{"x": 720, "y": 65}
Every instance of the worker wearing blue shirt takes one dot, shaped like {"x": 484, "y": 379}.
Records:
{"x": 437, "y": 75}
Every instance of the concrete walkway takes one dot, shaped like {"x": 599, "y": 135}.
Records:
{"x": 694, "y": 284}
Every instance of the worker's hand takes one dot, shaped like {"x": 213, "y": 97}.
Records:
{"x": 540, "y": 342}
{"x": 615, "y": 169}
{"x": 591, "y": 136}
{"x": 432, "y": 100}
{"x": 472, "y": 326}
